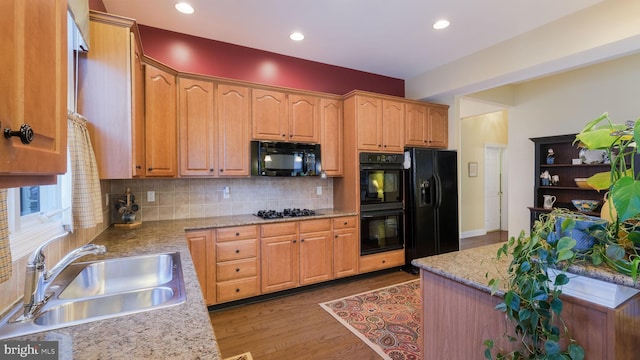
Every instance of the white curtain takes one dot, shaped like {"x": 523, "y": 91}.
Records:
{"x": 5, "y": 249}
{"x": 86, "y": 193}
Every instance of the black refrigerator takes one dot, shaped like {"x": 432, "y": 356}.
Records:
{"x": 431, "y": 203}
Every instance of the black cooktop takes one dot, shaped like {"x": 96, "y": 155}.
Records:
{"x": 286, "y": 213}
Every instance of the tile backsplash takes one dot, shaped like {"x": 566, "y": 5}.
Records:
{"x": 193, "y": 198}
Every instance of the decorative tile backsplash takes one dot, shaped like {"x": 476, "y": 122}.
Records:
{"x": 194, "y": 198}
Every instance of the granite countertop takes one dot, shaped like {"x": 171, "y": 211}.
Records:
{"x": 179, "y": 332}
{"x": 476, "y": 266}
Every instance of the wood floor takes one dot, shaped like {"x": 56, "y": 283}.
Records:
{"x": 295, "y": 327}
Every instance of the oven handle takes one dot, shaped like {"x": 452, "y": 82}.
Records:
{"x": 378, "y": 213}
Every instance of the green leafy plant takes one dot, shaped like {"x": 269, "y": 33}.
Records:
{"x": 532, "y": 300}
{"x": 620, "y": 248}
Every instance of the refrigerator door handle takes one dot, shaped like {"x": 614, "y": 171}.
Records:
{"x": 438, "y": 191}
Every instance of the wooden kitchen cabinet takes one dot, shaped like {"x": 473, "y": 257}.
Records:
{"x": 380, "y": 123}
{"x": 279, "y": 256}
{"x": 303, "y": 118}
{"x": 160, "y": 122}
{"x": 281, "y": 116}
{"x": 33, "y": 91}
{"x": 438, "y": 127}
{"x": 202, "y": 249}
{"x": 384, "y": 260}
{"x": 234, "y": 130}
{"x": 213, "y": 143}
{"x": 269, "y": 115}
{"x": 331, "y": 136}
{"x": 111, "y": 96}
{"x": 237, "y": 263}
{"x": 196, "y": 123}
{"x": 346, "y": 251}
{"x": 316, "y": 251}
{"x": 426, "y": 125}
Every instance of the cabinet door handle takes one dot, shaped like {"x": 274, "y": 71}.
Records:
{"x": 25, "y": 133}
{"x": 294, "y": 241}
{"x": 211, "y": 170}
{"x": 336, "y": 236}
{"x": 138, "y": 167}
{"x": 345, "y": 223}
{"x": 237, "y": 234}
{"x": 221, "y": 170}
{"x": 302, "y": 240}
{"x": 150, "y": 169}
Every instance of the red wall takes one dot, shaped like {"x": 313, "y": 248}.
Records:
{"x": 188, "y": 53}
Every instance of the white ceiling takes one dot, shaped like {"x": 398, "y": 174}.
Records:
{"x": 391, "y": 38}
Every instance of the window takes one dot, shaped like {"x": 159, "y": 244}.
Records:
{"x": 35, "y": 213}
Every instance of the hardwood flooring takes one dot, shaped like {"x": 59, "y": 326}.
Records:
{"x": 295, "y": 327}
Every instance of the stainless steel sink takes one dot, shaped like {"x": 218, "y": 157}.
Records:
{"x": 98, "y": 290}
{"x": 120, "y": 275}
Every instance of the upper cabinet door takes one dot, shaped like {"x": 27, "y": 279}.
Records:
{"x": 111, "y": 96}
{"x": 304, "y": 118}
{"x": 160, "y": 122}
{"x": 369, "y": 118}
{"x": 269, "y": 115}
{"x": 33, "y": 90}
{"x": 392, "y": 126}
{"x": 416, "y": 120}
{"x": 438, "y": 135}
{"x": 197, "y": 127}
{"x": 331, "y": 144}
{"x": 233, "y": 104}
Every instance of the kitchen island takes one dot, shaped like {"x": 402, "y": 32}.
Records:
{"x": 183, "y": 331}
{"x": 459, "y": 312}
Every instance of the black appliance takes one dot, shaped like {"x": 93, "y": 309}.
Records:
{"x": 431, "y": 204}
{"x": 381, "y": 203}
{"x": 284, "y": 159}
{"x": 286, "y": 213}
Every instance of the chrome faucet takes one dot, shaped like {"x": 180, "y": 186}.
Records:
{"x": 37, "y": 278}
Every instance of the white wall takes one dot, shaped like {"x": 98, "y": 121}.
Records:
{"x": 562, "y": 104}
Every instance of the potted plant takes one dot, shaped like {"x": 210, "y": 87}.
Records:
{"x": 619, "y": 248}
{"x": 532, "y": 300}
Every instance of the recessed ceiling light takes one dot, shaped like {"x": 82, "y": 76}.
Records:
{"x": 440, "y": 24}
{"x": 184, "y": 8}
{"x": 296, "y": 36}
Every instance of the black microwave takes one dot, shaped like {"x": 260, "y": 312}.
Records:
{"x": 284, "y": 159}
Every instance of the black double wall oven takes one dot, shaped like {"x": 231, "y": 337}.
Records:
{"x": 381, "y": 202}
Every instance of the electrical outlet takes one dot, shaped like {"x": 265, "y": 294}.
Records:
{"x": 151, "y": 196}
{"x": 226, "y": 192}
{"x": 319, "y": 190}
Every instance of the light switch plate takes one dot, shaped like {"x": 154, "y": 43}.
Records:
{"x": 151, "y": 196}
{"x": 319, "y": 190}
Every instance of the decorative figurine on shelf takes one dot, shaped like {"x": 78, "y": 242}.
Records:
{"x": 550, "y": 157}
{"x": 546, "y": 178}
{"x": 555, "y": 180}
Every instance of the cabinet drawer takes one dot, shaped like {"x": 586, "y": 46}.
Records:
{"x": 237, "y": 233}
{"x": 237, "y": 289}
{"x": 284, "y": 228}
{"x": 237, "y": 269}
{"x": 235, "y": 250}
{"x": 344, "y": 222}
{"x": 380, "y": 261}
{"x": 309, "y": 226}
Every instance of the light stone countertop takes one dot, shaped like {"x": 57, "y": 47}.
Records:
{"x": 178, "y": 332}
{"x": 476, "y": 266}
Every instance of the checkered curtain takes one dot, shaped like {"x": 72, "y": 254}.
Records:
{"x": 5, "y": 249}
{"x": 86, "y": 203}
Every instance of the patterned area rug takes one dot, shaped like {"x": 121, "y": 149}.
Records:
{"x": 387, "y": 319}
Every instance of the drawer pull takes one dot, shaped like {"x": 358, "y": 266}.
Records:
{"x": 345, "y": 223}
{"x": 294, "y": 241}
{"x": 237, "y": 269}
{"x": 237, "y": 234}
{"x": 237, "y": 251}
{"x": 237, "y": 290}
{"x": 384, "y": 261}
{"x": 336, "y": 236}
{"x": 302, "y": 240}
